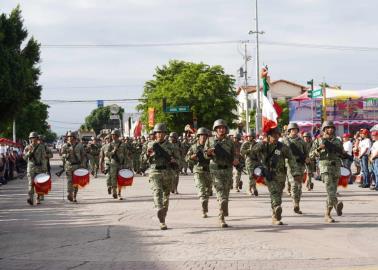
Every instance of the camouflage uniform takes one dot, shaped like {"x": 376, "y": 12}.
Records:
{"x": 245, "y": 152}
{"x": 185, "y": 145}
{"x": 93, "y": 150}
{"x": 74, "y": 158}
{"x": 136, "y": 155}
{"x": 221, "y": 171}
{"x": 105, "y": 163}
{"x": 300, "y": 153}
{"x": 161, "y": 174}
{"x": 310, "y": 168}
{"x": 239, "y": 169}
{"x": 272, "y": 158}
{"x": 117, "y": 153}
{"x": 35, "y": 155}
{"x": 176, "y": 171}
{"x": 202, "y": 176}
{"x": 329, "y": 166}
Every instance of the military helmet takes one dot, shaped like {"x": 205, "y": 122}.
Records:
{"x": 173, "y": 135}
{"x": 33, "y": 135}
{"x": 151, "y": 133}
{"x": 272, "y": 131}
{"x": 306, "y": 134}
{"x": 41, "y": 137}
{"x": 327, "y": 124}
{"x": 202, "y": 131}
{"x": 218, "y": 123}
{"x": 71, "y": 134}
{"x": 116, "y": 132}
{"x": 292, "y": 126}
{"x": 160, "y": 127}
{"x": 107, "y": 137}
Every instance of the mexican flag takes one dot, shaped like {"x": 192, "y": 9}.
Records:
{"x": 270, "y": 109}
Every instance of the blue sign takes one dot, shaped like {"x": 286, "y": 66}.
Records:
{"x": 100, "y": 103}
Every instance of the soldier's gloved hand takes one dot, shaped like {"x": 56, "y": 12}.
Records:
{"x": 298, "y": 179}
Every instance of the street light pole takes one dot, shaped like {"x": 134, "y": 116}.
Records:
{"x": 258, "y": 105}
{"x": 245, "y": 89}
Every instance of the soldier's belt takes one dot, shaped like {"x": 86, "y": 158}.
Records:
{"x": 73, "y": 163}
{"x": 222, "y": 167}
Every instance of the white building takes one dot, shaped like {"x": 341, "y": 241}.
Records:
{"x": 280, "y": 90}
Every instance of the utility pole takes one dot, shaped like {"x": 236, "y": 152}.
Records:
{"x": 245, "y": 89}
{"x": 14, "y": 130}
{"x": 258, "y": 107}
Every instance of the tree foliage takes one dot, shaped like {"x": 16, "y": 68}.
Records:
{"x": 99, "y": 119}
{"x": 31, "y": 118}
{"x": 19, "y": 71}
{"x": 207, "y": 90}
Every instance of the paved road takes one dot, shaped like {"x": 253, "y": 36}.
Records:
{"x": 102, "y": 233}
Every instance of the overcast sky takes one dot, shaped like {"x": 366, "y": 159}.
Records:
{"x": 115, "y": 73}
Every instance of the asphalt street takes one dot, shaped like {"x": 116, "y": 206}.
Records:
{"x": 100, "y": 232}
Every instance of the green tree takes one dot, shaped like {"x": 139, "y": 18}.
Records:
{"x": 99, "y": 119}
{"x": 19, "y": 70}
{"x": 207, "y": 90}
{"x": 33, "y": 117}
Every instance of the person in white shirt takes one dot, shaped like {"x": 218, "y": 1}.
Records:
{"x": 348, "y": 148}
{"x": 374, "y": 156}
{"x": 364, "y": 151}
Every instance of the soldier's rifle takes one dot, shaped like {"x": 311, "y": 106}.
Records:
{"x": 222, "y": 153}
{"x": 160, "y": 152}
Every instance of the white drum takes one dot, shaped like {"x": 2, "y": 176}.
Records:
{"x": 80, "y": 177}
{"x": 125, "y": 177}
{"x": 42, "y": 183}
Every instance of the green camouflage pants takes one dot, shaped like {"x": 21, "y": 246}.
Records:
{"x": 113, "y": 174}
{"x": 136, "y": 162}
{"x": 203, "y": 184}
{"x": 93, "y": 162}
{"x": 237, "y": 178}
{"x": 108, "y": 179}
{"x": 69, "y": 172}
{"x": 330, "y": 180}
{"x": 31, "y": 174}
{"x": 276, "y": 187}
{"x": 175, "y": 181}
{"x": 161, "y": 184}
{"x": 295, "y": 187}
{"x": 222, "y": 180}
{"x": 252, "y": 180}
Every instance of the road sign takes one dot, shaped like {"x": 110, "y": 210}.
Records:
{"x": 100, "y": 103}
{"x": 315, "y": 93}
{"x": 114, "y": 117}
{"x": 178, "y": 109}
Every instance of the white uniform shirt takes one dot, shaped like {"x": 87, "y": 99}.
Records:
{"x": 365, "y": 144}
{"x": 348, "y": 147}
{"x": 374, "y": 148}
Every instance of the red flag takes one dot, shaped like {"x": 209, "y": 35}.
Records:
{"x": 138, "y": 129}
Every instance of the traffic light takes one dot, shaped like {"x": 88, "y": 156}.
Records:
{"x": 310, "y": 92}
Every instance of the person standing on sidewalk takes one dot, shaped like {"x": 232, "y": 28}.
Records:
{"x": 364, "y": 151}
{"x": 35, "y": 155}
{"x": 348, "y": 148}
{"x": 161, "y": 157}
{"x": 329, "y": 150}
{"x": 221, "y": 152}
{"x": 374, "y": 156}
{"x": 201, "y": 169}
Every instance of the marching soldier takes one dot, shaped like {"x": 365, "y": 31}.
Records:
{"x": 221, "y": 152}
{"x": 245, "y": 151}
{"x": 173, "y": 139}
{"x": 119, "y": 159}
{"x": 271, "y": 156}
{"x": 49, "y": 153}
{"x": 74, "y": 157}
{"x": 161, "y": 155}
{"x": 105, "y": 162}
{"x": 202, "y": 176}
{"x": 185, "y": 145}
{"x": 93, "y": 150}
{"x": 143, "y": 155}
{"x": 299, "y": 150}
{"x": 35, "y": 155}
{"x": 329, "y": 150}
{"x": 137, "y": 145}
{"x": 310, "y": 167}
{"x": 239, "y": 168}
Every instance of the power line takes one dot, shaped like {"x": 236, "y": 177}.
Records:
{"x": 96, "y": 86}
{"x": 222, "y": 42}
{"x": 90, "y": 100}
{"x": 63, "y": 122}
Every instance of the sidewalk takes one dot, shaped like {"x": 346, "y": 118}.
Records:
{"x": 102, "y": 233}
